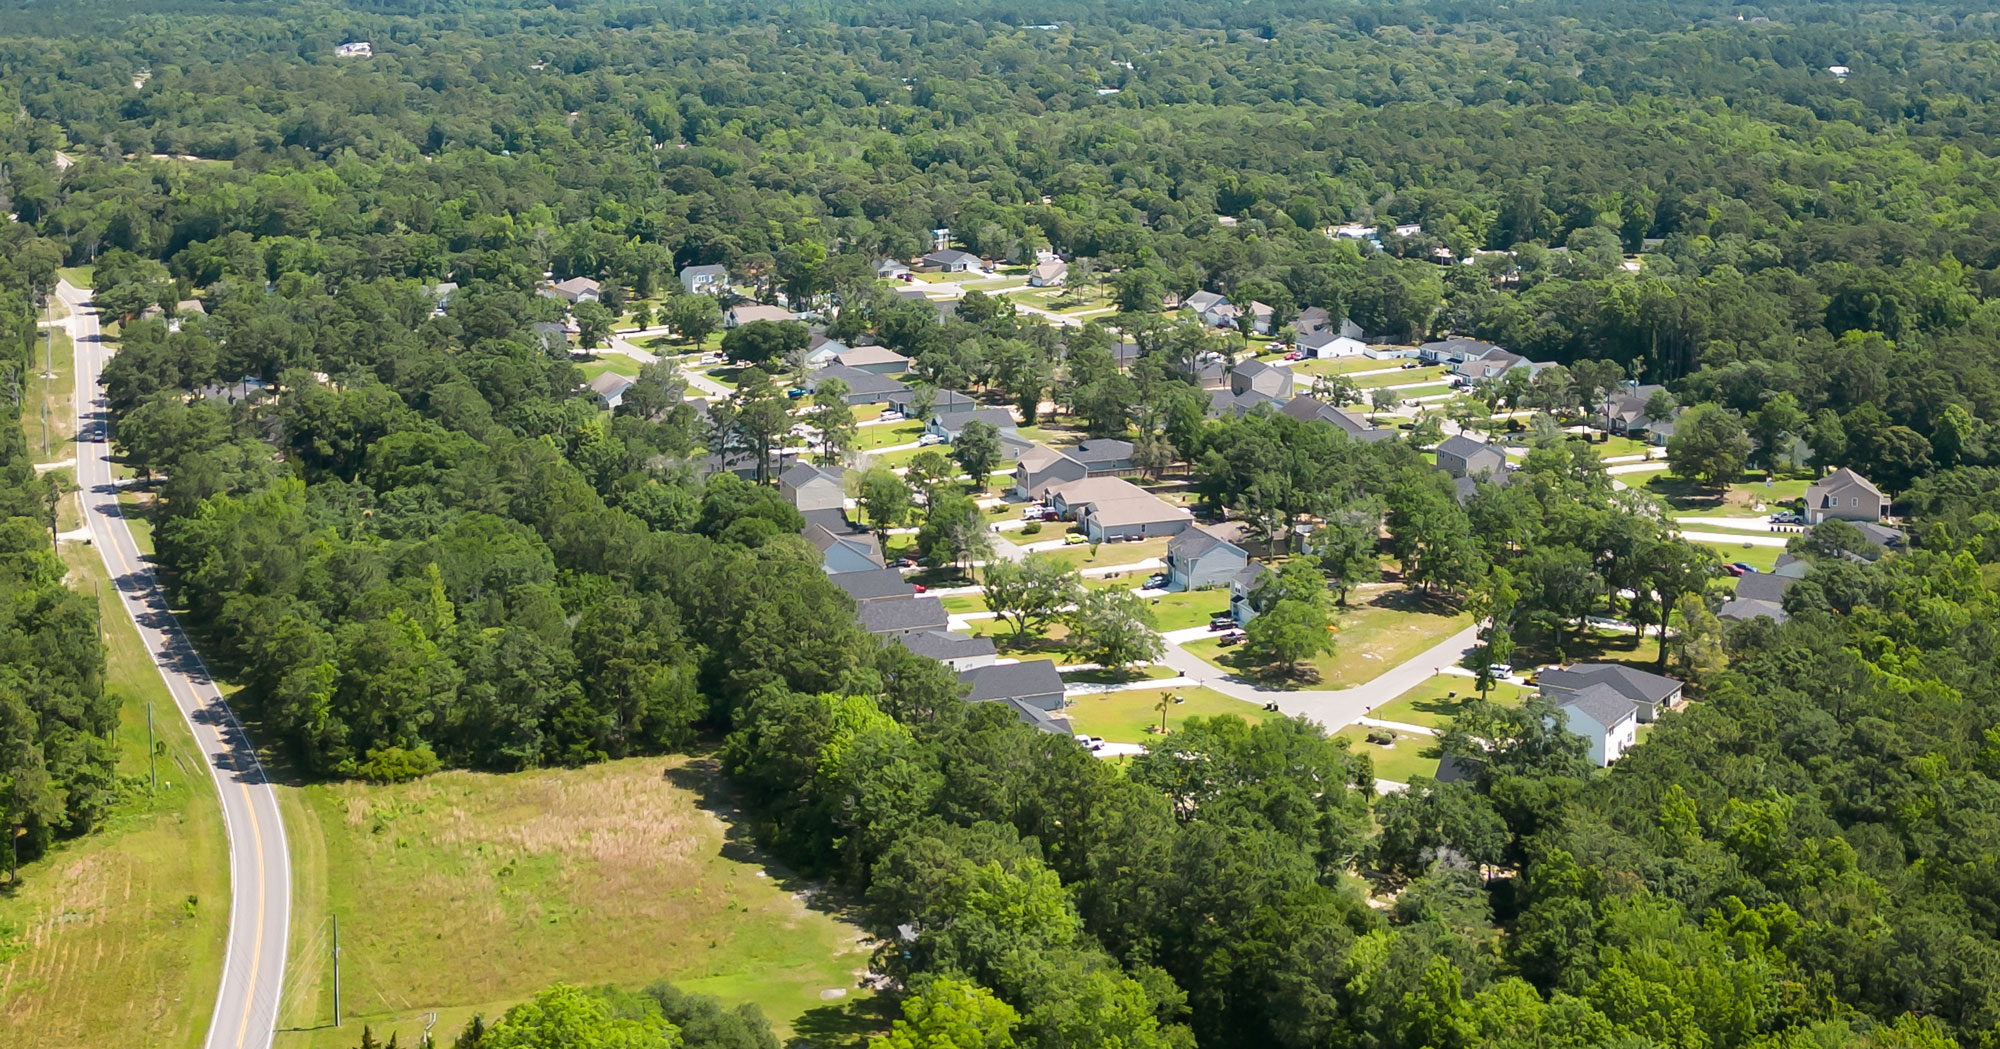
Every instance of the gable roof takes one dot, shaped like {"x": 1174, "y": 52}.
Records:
{"x": 1838, "y": 484}
{"x": 858, "y": 381}
{"x": 952, "y": 257}
{"x": 1631, "y": 683}
{"x": 916, "y": 612}
{"x": 576, "y": 285}
{"x": 999, "y": 418}
{"x": 1100, "y": 450}
{"x": 1197, "y": 541}
{"x": 1312, "y": 320}
{"x": 1051, "y": 269}
{"x": 864, "y": 355}
{"x": 873, "y": 584}
{"x": 1465, "y": 447}
{"x": 834, "y": 520}
{"x": 806, "y": 473}
{"x": 946, "y": 644}
{"x": 1747, "y": 608}
{"x": 1203, "y": 301}
{"x": 1011, "y": 680}
{"x": 1601, "y": 704}
{"x": 704, "y": 271}
{"x": 1763, "y": 586}
{"x": 609, "y": 384}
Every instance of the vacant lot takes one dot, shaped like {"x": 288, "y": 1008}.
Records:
{"x": 116, "y": 939}
{"x": 1134, "y": 716}
{"x": 1410, "y": 755}
{"x": 467, "y": 892}
{"x": 1374, "y": 633}
{"x": 1440, "y": 699}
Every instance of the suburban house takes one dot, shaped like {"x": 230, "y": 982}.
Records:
{"x": 891, "y": 269}
{"x": 1032, "y": 688}
{"x": 241, "y": 390}
{"x": 877, "y": 584}
{"x": 1454, "y": 350}
{"x": 575, "y": 289}
{"x": 609, "y": 389}
{"x": 1492, "y": 366}
{"x": 897, "y": 616}
{"x": 1105, "y": 456}
{"x": 1112, "y": 508}
{"x": 943, "y": 402}
{"x": 1255, "y": 376}
{"x": 1606, "y": 720}
{"x": 1241, "y": 585}
{"x": 355, "y": 49}
{"x": 1346, "y": 340}
{"x": 1648, "y": 693}
{"x": 1463, "y": 457}
{"x": 1198, "y": 557}
{"x": 862, "y": 387}
{"x": 809, "y": 487}
{"x": 1041, "y": 468}
{"x": 1882, "y": 535}
{"x": 950, "y": 426}
{"x": 1048, "y": 273}
{"x": 1224, "y": 402}
{"x": 880, "y": 360}
{"x": 952, "y": 260}
{"x": 822, "y": 351}
{"x": 1758, "y": 594}
{"x": 1312, "y": 320}
{"x": 1845, "y": 495}
{"x": 704, "y": 280}
{"x": 1353, "y": 424}
{"x": 553, "y": 337}
{"x": 961, "y": 652}
{"x": 1624, "y": 411}
{"x": 745, "y": 312}
{"x": 844, "y": 553}
{"x": 1203, "y": 304}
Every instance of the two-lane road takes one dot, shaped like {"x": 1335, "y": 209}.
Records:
{"x": 260, "y": 873}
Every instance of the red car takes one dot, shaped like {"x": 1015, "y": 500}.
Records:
{"x": 920, "y": 587}
{"x": 1733, "y": 569}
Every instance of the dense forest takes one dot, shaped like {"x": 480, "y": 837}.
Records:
{"x": 419, "y": 544}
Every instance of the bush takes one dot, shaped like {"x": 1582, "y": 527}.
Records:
{"x": 1032, "y": 528}
{"x": 397, "y": 764}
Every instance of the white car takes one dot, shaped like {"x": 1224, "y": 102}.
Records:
{"x": 929, "y": 439}
{"x": 892, "y": 416}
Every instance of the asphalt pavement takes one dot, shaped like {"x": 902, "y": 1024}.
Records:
{"x": 260, "y": 872}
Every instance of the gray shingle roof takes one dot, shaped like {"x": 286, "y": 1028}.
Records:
{"x": 945, "y": 644}
{"x": 1012, "y": 680}
{"x": 1763, "y": 586}
{"x": 1464, "y": 447}
{"x": 1742, "y": 608}
{"x": 919, "y": 612}
{"x": 1099, "y": 451}
{"x": 1632, "y": 683}
{"x": 1604, "y": 704}
{"x": 858, "y": 381}
{"x": 869, "y": 586}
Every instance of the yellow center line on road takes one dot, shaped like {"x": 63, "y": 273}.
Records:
{"x": 257, "y": 940}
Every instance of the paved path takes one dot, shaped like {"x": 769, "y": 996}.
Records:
{"x": 1332, "y": 708}
{"x": 1649, "y": 466}
{"x": 260, "y": 872}
{"x": 1742, "y": 538}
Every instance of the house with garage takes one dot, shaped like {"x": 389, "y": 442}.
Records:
{"x": 1269, "y": 380}
{"x": 897, "y": 616}
{"x": 808, "y": 487}
{"x": 1844, "y": 495}
{"x": 748, "y": 312}
{"x": 862, "y": 387}
{"x": 943, "y": 402}
{"x": 575, "y": 289}
{"x": 891, "y": 269}
{"x": 1048, "y": 273}
{"x": 854, "y": 552}
{"x": 1105, "y": 457}
{"x": 1608, "y": 722}
{"x": 950, "y": 426}
{"x": 952, "y": 260}
{"x": 961, "y": 652}
{"x": 1492, "y": 366}
{"x": 1623, "y": 412}
{"x": 1035, "y": 686}
{"x": 1199, "y": 557}
{"x": 1343, "y": 340}
{"x": 1454, "y": 350}
{"x": 822, "y": 351}
{"x": 879, "y": 584}
{"x": 1461, "y": 456}
{"x": 1758, "y": 594}
{"x": 1355, "y": 425}
{"x": 1112, "y": 509}
{"x": 704, "y": 280}
{"x": 880, "y": 360}
{"x": 1241, "y": 585}
{"x": 1648, "y": 693}
{"x": 609, "y": 389}
{"x": 1041, "y": 468}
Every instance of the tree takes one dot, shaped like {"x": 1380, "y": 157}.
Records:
{"x": 1384, "y": 399}
{"x": 1709, "y": 446}
{"x": 762, "y": 415}
{"x": 593, "y": 323}
{"x": 930, "y": 470}
{"x": 642, "y": 316}
{"x": 1114, "y": 629}
{"x": 1031, "y": 592}
{"x": 1430, "y": 533}
{"x": 565, "y": 1017}
{"x": 1345, "y": 547}
{"x": 1697, "y": 638}
{"x": 762, "y": 342}
{"x": 1675, "y": 569}
{"x": 977, "y": 451}
{"x": 692, "y": 318}
{"x": 954, "y": 531}
{"x": 947, "y": 1013}
{"x": 884, "y": 499}
{"x": 1289, "y": 633}
{"x": 1773, "y": 426}
{"x": 833, "y": 417}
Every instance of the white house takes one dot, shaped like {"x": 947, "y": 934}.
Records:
{"x": 357, "y": 49}
{"x": 1048, "y": 274}
{"x": 1347, "y": 340}
{"x": 704, "y": 280}
{"x": 1605, "y": 719}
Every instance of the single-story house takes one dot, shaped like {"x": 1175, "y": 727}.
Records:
{"x": 1743, "y": 608}
{"x": 745, "y": 312}
{"x": 961, "y": 652}
{"x": 609, "y": 388}
{"x": 943, "y": 402}
{"x": 1491, "y": 366}
{"x": 1198, "y": 557}
{"x": 1454, "y": 350}
{"x": 891, "y": 269}
{"x": 704, "y": 280}
{"x": 1227, "y": 402}
{"x": 1048, "y": 273}
{"x": 1353, "y": 424}
{"x": 880, "y": 360}
{"x": 902, "y": 615}
{"x": 1624, "y": 410}
{"x": 1241, "y": 585}
{"x": 822, "y": 351}
{"x": 1112, "y": 508}
{"x": 877, "y": 584}
{"x": 575, "y": 289}
{"x": 1462, "y": 457}
{"x": 1035, "y": 684}
{"x": 844, "y": 553}
{"x": 1346, "y": 340}
{"x": 950, "y": 426}
{"x": 809, "y": 487}
{"x": 1270, "y": 380}
{"x": 862, "y": 387}
{"x": 1605, "y": 719}
{"x": 1845, "y": 495}
{"x": 1648, "y": 693}
{"x": 952, "y": 260}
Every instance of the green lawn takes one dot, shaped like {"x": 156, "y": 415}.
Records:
{"x": 1431, "y": 390}
{"x": 960, "y": 604}
{"x": 1400, "y": 376}
{"x": 1080, "y": 556}
{"x": 1410, "y": 756}
{"x": 1434, "y": 704}
{"x": 81, "y": 276}
{"x": 1613, "y": 447}
{"x": 48, "y": 415}
{"x": 1741, "y": 499}
{"x": 1596, "y": 646}
{"x": 616, "y": 363}
{"x": 869, "y": 438}
{"x": 467, "y": 892}
{"x": 1191, "y": 608}
{"x": 120, "y": 934}
{"x": 1133, "y": 716}
{"x": 1350, "y": 365}
{"x": 1115, "y": 677}
{"x": 1762, "y": 558}
{"x": 1374, "y": 634}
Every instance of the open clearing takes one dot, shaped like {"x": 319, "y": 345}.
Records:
{"x": 1410, "y": 756}
{"x": 1434, "y": 705}
{"x": 1133, "y": 716}
{"x": 116, "y": 939}
{"x": 466, "y": 892}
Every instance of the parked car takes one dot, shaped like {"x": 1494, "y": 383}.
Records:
{"x": 929, "y": 439}
{"x": 1075, "y": 539}
{"x": 905, "y": 562}
{"x": 1744, "y": 569}
{"x": 795, "y": 393}
{"x": 1051, "y": 515}
{"x": 1033, "y": 512}
{"x": 920, "y": 587}
{"x": 1234, "y": 638}
{"x": 1295, "y": 356}
{"x": 1222, "y": 623}
{"x": 891, "y": 416}
{"x": 1786, "y": 517}
{"x": 1409, "y": 364}
{"x": 1156, "y": 581}
{"x": 1500, "y": 669}
{"x": 1733, "y": 569}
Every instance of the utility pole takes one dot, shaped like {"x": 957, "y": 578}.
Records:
{"x": 152, "y": 750}
{"x": 336, "y": 970}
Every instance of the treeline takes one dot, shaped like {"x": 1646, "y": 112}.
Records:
{"x": 57, "y": 762}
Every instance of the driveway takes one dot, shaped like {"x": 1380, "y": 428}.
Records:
{"x": 1332, "y": 708}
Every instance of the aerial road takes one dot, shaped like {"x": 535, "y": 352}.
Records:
{"x": 260, "y": 873}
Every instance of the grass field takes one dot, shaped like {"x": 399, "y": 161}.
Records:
{"x": 1762, "y": 558}
{"x": 1410, "y": 756}
{"x": 1134, "y": 717}
{"x": 1433, "y": 704}
{"x": 80, "y": 276}
{"x": 48, "y": 415}
{"x": 1742, "y": 499}
{"x": 1402, "y": 376}
{"x": 1375, "y": 633}
{"x": 616, "y": 363}
{"x": 1080, "y": 556}
{"x": 1179, "y": 611}
{"x": 120, "y": 934}
{"x": 869, "y": 438}
{"x": 1596, "y": 646}
{"x": 467, "y": 892}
